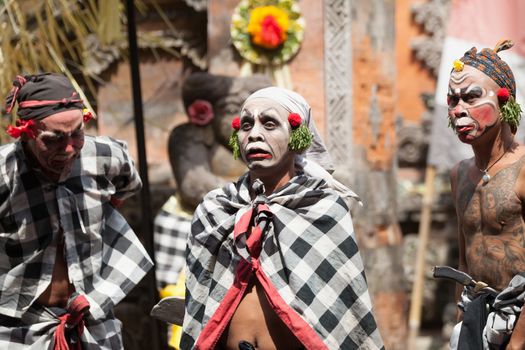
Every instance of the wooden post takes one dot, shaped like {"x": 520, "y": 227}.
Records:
{"x": 147, "y": 217}
{"x": 414, "y": 320}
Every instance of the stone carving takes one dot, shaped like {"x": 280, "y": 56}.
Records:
{"x": 431, "y": 15}
{"x": 186, "y": 39}
{"x": 412, "y": 139}
{"x": 200, "y": 157}
{"x": 198, "y": 5}
{"x": 338, "y": 78}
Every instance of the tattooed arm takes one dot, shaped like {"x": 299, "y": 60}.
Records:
{"x": 517, "y": 340}
{"x": 461, "y": 239}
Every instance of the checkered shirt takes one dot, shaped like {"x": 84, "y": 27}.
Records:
{"x": 309, "y": 256}
{"x": 171, "y": 229}
{"x": 105, "y": 258}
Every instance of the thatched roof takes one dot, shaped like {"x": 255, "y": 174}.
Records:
{"x": 82, "y": 38}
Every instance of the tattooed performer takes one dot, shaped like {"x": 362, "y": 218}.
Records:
{"x": 489, "y": 193}
{"x": 66, "y": 255}
{"x": 272, "y": 258}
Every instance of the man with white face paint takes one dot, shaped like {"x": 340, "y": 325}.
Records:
{"x": 272, "y": 258}
{"x": 67, "y": 256}
{"x": 489, "y": 194}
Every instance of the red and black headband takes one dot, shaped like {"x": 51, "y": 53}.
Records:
{"x": 42, "y": 95}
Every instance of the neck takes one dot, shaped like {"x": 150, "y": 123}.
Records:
{"x": 487, "y": 153}
{"x": 274, "y": 180}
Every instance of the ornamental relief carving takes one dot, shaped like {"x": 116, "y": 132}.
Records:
{"x": 431, "y": 16}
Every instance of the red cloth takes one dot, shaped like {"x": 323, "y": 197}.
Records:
{"x": 71, "y": 320}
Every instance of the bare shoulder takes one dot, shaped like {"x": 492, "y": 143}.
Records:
{"x": 518, "y": 156}
{"x": 465, "y": 164}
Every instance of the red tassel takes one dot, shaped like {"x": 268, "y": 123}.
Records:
{"x": 22, "y": 126}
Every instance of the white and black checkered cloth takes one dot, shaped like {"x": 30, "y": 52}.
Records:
{"x": 171, "y": 228}
{"x": 104, "y": 256}
{"x": 309, "y": 255}
{"x": 36, "y": 328}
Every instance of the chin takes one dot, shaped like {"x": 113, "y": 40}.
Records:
{"x": 465, "y": 139}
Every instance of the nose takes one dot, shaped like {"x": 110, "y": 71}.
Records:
{"x": 70, "y": 145}
{"x": 256, "y": 133}
{"x": 459, "y": 111}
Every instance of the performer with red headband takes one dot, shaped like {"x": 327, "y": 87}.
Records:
{"x": 272, "y": 258}
{"x": 67, "y": 256}
{"x": 489, "y": 193}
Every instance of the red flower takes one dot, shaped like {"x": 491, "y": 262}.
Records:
{"x": 294, "y": 119}
{"x": 200, "y": 112}
{"x": 87, "y": 116}
{"x": 22, "y": 126}
{"x": 271, "y": 32}
{"x": 236, "y": 123}
{"x": 503, "y": 95}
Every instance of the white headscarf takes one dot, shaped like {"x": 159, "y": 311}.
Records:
{"x": 315, "y": 161}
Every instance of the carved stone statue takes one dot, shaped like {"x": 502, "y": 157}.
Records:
{"x": 199, "y": 154}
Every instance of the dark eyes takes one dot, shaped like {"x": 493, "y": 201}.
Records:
{"x": 60, "y": 138}
{"x": 268, "y": 123}
{"x": 453, "y": 100}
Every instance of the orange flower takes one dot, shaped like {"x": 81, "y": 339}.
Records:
{"x": 268, "y": 26}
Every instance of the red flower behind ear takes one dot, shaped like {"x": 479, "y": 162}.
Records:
{"x": 503, "y": 95}
{"x": 22, "y": 126}
{"x": 200, "y": 112}
{"x": 294, "y": 119}
{"x": 236, "y": 123}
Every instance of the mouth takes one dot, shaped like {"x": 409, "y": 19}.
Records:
{"x": 464, "y": 125}
{"x": 257, "y": 154}
{"x": 464, "y": 129}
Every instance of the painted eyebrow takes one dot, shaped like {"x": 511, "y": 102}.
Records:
{"x": 472, "y": 89}
{"x": 55, "y": 133}
{"x": 466, "y": 90}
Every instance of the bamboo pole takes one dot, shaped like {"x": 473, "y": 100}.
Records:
{"x": 414, "y": 320}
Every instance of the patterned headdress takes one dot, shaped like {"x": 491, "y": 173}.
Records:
{"x": 489, "y": 62}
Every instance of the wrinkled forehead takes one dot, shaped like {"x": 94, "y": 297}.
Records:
{"x": 472, "y": 77}
{"x": 259, "y": 105}
{"x": 287, "y": 99}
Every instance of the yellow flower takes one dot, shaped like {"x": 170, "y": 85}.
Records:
{"x": 268, "y": 26}
{"x": 458, "y": 65}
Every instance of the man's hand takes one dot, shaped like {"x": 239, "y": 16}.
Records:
{"x": 116, "y": 202}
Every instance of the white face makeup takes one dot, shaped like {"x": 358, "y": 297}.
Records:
{"x": 264, "y": 136}
{"x": 473, "y": 106}
{"x": 60, "y": 137}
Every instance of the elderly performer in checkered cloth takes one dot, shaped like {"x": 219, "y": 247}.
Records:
{"x": 66, "y": 255}
{"x": 272, "y": 258}
{"x": 489, "y": 194}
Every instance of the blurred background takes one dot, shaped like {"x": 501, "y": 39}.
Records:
{"x": 374, "y": 72}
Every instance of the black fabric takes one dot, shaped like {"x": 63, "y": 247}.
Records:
{"x": 42, "y": 87}
{"x": 474, "y": 320}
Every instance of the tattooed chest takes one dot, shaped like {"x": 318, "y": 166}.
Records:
{"x": 491, "y": 209}
{"x": 492, "y": 213}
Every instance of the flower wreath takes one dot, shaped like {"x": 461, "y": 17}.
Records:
{"x": 300, "y": 139}
{"x": 267, "y": 32}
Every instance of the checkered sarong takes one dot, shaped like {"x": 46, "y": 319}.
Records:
{"x": 36, "y": 328}
{"x": 104, "y": 256}
{"x": 171, "y": 230}
{"x": 309, "y": 263}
